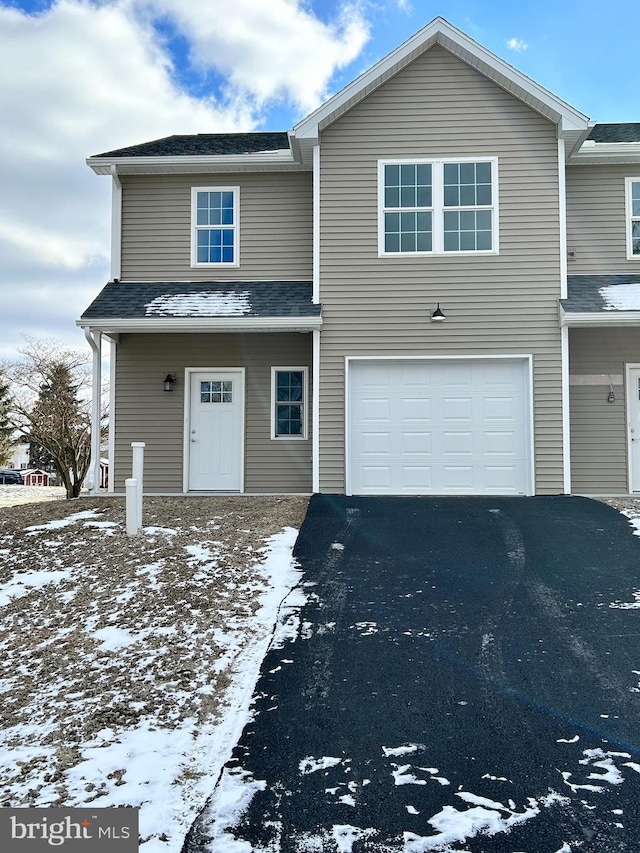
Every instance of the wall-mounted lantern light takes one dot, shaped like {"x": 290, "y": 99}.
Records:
{"x": 169, "y": 380}
{"x": 437, "y": 315}
{"x": 611, "y": 398}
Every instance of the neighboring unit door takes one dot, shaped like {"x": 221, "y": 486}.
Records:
{"x": 215, "y": 431}
{"x": 439, "y": 427}
{"x": 633, "y": 412}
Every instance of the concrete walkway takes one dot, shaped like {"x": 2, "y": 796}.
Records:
{"x": 466, "y": 677}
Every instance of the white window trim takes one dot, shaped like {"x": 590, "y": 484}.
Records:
{"x": 235, "y": 227}
{"x": 437, "y": 173}
{"x": 305, "y": 404}
{"x": 629, "y": 218}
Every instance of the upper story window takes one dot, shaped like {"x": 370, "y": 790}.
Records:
{"x": 633, "y": 217}
{"x": 214, "y": 226}
{"x": 438, "y": 206}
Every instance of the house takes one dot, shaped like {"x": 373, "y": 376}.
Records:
{"x": 20, "y": 454}
{"x": 37, "y": 477}
{"x": 430, "y": 285}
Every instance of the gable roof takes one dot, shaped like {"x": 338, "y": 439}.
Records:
{"x": 573, "y": 125}
{"x": 202, "y": 144}
{"x": 156, "y": 306}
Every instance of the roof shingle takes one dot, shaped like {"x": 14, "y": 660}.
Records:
{"x": 153, "y": 299}
{"x": 623, "y": 132}
{"x": 203, "y": 144}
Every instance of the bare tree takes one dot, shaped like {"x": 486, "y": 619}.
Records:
{"x": 51, "y": 407}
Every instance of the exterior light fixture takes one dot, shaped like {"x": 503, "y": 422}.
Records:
{"x": 170, "y": 378}
{"x": 611, "y": 397}
{"x": 437, "y": 315}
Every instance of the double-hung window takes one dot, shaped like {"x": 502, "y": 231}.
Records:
{"x": 289, "y": 402}
{"x": 633, "y": 218}
{"x": 214, "y": 226}
{"x": 438, "y": 206}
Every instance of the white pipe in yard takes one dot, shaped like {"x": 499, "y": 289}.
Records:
{"x": 131, "y": 487}
{"x": 137, "y": 472}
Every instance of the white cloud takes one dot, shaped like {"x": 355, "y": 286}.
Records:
{"x": 85, "y": 77}
{"x": 274, "y": 49}
{"x": 517, "y": 45}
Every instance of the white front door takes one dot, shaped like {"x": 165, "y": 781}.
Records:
{"x": 633, "y": 414}
{"x": 214, "y": 430}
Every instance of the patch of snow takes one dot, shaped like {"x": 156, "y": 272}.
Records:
{"x": 405, "y": 749}
{"x": 621, "y": 297}
{"x": 337, "y": 546}
{"x": 22, "y": 582}
{"x": 347, "y": 800}
{"x": 571, "y": 740}
{"x": 312, "y": 765}
{"x": 412, "y": 810}
{"x": 114, "y": 638}
{"x": 233, "y": 796}
{"x": 401, "y": 776}
{"x": 630, "y": 605}
{"x": 152, "y": 531}
{"x": 632, "y": 765}
{"x": 345, "y": 836}
{"x": 205, "y": 304}
{"x": 58, "y": 523}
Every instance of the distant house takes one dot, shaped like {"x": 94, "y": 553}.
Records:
{"x": 36, "y": 477}
{"x": 430, "y": 285}
{"x": 20, "y": 455}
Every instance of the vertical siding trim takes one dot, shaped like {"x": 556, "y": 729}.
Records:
{"x": 113, "y": 350}
{"x": 562, "y": 192}
{"x": 629, "y": 366}
{"x": 566, "y": 411}
{"x": 316, "y": 225}
{"x": 315, "y": 413}
{"x": 116, "y": 224}
{"x": 187, "y": 418}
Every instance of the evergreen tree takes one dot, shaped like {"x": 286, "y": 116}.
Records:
{"x": 6, "y": 426}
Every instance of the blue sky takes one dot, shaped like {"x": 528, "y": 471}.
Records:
{"x": 78, "y": 77}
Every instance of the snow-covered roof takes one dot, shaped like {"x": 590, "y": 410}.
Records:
{"x": 605, "y": 300}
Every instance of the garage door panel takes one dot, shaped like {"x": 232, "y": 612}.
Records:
{"x": 439, "y": 428}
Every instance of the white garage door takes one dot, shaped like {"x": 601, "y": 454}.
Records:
{"x": 439, "y": 427}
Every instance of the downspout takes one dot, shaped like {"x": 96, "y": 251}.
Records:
{"x": 315, "y": 384}
{"x": 94, "y": 339}
{"x": 116, "y": 225}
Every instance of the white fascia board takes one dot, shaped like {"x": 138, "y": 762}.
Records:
{"x": 192, "y": 163}
{"x": 442, "y": 32}
{"x": 202, "y": 324}
{"x": 599, "y": 318}
{"x": 606, "y": 152}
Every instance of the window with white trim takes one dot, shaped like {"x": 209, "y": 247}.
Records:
{"x": 214, "y": 226}
{"x": 438, "y": 206}
{"x": 633, "y": 217}
{"x": 289, "y": 389}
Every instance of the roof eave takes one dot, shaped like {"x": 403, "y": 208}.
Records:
{"x": 119, "y": 325}
{"x": 606, "y": 152}
{"x": 192, "y": 162}
{"x": 577, "y": 319}
{"x": 440, "y": 31}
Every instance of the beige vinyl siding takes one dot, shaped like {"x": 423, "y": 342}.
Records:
{"x": 596, "y": 224}
{"x": 598, "y": 428}
{"x": 145, "y": 412}
{"x": 275, "y": 227}
{"x": 494, "y": 304}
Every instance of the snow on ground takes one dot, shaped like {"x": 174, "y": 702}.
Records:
{"x": 12, "y": 495}
{"x": 129, "y": 663}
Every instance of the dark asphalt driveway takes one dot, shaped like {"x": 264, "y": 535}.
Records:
{"x": 466, "y": 676}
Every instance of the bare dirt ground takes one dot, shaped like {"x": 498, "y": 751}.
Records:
{"x": 103, "y": 633}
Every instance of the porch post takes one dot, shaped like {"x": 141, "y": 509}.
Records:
{"x": 566, "y": 411}
{"x": 94, "y": 339}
